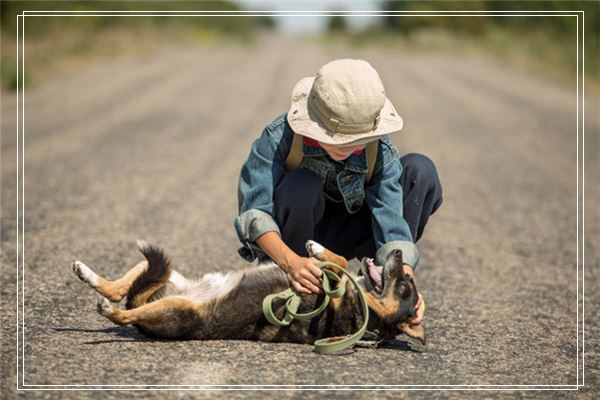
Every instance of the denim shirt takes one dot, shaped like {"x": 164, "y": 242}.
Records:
{"x": 383, "y": 193}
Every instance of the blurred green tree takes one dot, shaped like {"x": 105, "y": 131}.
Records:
{"x": 560, "y": 25}
{"x": 42, "y": 26}
{"x": 408, "y": 24}
{"x": 266, "y": 21}
{"x": 337, "y": 24}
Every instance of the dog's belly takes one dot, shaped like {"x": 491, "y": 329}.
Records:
{"x": 211, "y": 287}
{"x": 227, "y": 306}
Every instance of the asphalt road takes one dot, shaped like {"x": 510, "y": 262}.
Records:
{"x": 150, "y": 147}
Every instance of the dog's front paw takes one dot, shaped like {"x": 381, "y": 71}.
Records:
{"x": 104, "y": 307}
{"x": 315, "y": 250}
{"x": 85, "y": 273}
{"x": 368, "y": 344}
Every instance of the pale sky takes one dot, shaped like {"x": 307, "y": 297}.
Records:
{"x": 312, "y": 24}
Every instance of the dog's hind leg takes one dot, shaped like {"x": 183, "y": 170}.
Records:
{"x": 112, "y": 290}
{"x": 170, "y": 317}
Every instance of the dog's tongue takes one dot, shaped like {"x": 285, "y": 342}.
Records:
{"x": 375, "y": 272}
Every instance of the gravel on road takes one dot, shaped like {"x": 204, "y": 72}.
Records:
{"x": 150, "y": 147}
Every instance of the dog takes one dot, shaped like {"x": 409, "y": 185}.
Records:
{"x": 163, "y": 303}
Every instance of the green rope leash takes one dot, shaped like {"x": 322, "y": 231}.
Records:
{"x": 328, "y": 345}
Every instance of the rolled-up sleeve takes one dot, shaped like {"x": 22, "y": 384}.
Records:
{"x": 258, "y": 177}
{"x": 390, "y": 229}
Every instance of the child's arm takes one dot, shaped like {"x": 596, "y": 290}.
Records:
{"x": 384, "y": 198}
{"x": 258, "y": 177}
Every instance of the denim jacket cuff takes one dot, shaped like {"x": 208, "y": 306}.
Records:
{"x": 249, "y": 226}
{"x": 410, "y": 253}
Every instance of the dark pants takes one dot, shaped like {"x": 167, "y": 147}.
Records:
{"x": 303, "y": 213}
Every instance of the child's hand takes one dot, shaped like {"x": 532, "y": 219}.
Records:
{"x": 304, "y": 275}
{"x": 420, "y": 311}
{"x": 420, "y": 307}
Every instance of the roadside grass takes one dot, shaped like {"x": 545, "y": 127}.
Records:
{"x": 8, "y": 73}
{"x": 71, "y": 48}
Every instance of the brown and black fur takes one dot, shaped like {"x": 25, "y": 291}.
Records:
{"x": 158, "y": 306}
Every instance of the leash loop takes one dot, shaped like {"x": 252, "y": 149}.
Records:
{"x": 328, "y": 345}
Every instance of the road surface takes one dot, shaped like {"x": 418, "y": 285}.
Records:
{"x": 150, "y": 147}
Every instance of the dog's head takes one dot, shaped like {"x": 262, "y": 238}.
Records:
{"x": 392, "y": 295}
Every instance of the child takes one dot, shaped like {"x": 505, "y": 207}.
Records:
{"x": 327, "y": 171}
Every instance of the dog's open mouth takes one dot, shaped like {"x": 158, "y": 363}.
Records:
{"x": 373, "y": 276}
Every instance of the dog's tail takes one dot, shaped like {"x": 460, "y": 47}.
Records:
{"x": 153, "y": 278}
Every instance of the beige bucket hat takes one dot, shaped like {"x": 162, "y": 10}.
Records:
{"x": 344, "y": 104}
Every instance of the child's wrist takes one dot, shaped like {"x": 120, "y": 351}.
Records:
{"x": 289, "y": 260}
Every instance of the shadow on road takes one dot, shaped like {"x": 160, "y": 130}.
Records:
{"x": 394, "y": 344}
{"x": 128, "y": 334}
{"x": 131, "y": 334}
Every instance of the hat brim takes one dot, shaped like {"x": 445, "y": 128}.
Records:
{"x": 306, "y": 124}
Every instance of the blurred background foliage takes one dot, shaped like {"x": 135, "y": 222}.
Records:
{"x": 53, "y": 42}
{"x": 337, "y": 24}
{"x": 545, "y": 44}
{"x": 471, "y": 25}
{"x": 42, "y": 25}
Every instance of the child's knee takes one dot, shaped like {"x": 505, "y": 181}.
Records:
{"x": 421, "y": 170}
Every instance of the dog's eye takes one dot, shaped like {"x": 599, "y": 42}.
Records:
{"x": 404, "y": 289}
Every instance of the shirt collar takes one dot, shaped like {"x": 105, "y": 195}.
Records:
{"x": 354, "y": 163}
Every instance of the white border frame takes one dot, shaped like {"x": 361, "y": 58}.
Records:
{"x": 22, "y": 386}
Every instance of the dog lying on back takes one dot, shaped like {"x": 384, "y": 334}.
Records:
{"x": 162, "y": 302}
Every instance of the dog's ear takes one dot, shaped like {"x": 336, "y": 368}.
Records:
{"x": 414, "y": 331}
